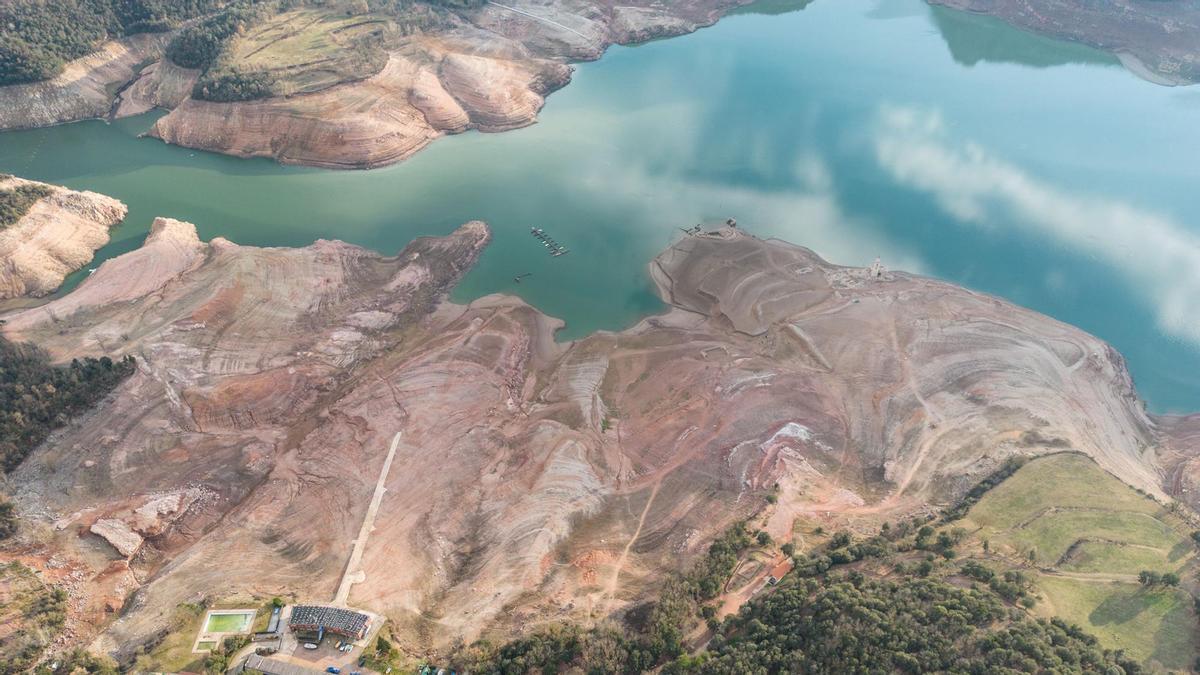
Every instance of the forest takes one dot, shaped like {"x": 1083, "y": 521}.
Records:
{"x": 37, "y": 397}
{"x": 894, "y": 602}
{"x": 37, "y": 38}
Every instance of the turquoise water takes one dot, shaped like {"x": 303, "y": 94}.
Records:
{"x": 946, "y": 143}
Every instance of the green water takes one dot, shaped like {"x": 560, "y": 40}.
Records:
{"x": 947, "y": 144}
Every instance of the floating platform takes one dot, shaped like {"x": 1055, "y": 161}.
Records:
{"x": 554, "y": 248}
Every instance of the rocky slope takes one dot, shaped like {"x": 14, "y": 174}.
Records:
{"x": 488, "y": 69}
{"x": 532, "y": 480}
{"x": 86, "y": 88}
{"x": 57, "y": 236}
{"x": 1159, "y": 41}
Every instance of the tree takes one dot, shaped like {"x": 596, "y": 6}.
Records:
{"x": 789, "y": 549}
{"x": 1149, "y": 578}
{"x": 763, "y": 538}
{"x": 8, "y": 519}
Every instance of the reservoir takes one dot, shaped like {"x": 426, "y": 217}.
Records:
{"x": 944, "y": 143}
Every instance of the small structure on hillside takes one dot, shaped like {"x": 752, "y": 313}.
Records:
{"x": 877, "y": 269}
{"x": 337, "y": 620}
{"x": 273, "y": 624}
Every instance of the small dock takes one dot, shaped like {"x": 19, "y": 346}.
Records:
{"x": 552, "y": 247}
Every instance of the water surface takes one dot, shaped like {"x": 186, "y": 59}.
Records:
{"x": 945, "y": 143}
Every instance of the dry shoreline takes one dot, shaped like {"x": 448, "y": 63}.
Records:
{"x": 269, "y": 376}
{"x": 490, "y": 72}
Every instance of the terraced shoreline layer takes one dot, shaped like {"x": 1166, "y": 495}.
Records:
{"x": 534, "y": 480}
{"x": 487, "y": 69}
{"x": 54, "y": 236}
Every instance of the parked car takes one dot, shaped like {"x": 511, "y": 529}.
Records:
{"x": 333, "y": 669}
{"x": 309, "y": 645}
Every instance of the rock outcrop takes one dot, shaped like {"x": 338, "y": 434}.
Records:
{"x": 488, "y": 69}
{"x": 85, "y": 89}
{"x": 423, "y": 92}
{"x": 58, "y": 235}
{"x": 532, "y": 480}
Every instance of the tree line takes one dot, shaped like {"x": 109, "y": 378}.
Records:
{"x": 892, "y": 602}
{"x": 15, "y": 202}
{"x": 38, "y": 37}
{"x": 37, "y": 397}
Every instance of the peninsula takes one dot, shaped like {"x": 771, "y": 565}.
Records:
{"x": 48, "y": 232}
{"x": 529, "y": 480}
{"x": 338, "y": 84}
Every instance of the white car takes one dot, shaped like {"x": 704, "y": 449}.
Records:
{"x": 309, "y": 645}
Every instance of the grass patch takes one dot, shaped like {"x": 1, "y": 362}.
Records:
{"x": 1067, "y": 516}
{"x": 1059, "y": 481}
{"x": 1051, "y": 534}
{"x": 1106, "y": 557}
{"x": 1151, "y": 625}
{"x": 172, "y": 651}
{"x": 311, "y": 49}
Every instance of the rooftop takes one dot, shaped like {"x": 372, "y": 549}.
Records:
{"x": 337, "y": 619}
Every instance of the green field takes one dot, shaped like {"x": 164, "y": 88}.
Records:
{"x": 310, "y": 49}
{"x": 1151, "y": 625}
{"x": 1088, "y": 535}
{"x": 174, "y": 652}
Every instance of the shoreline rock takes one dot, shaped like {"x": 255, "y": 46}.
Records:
{"x": 1156, "y": 41}
{"x": 275, "y": 379}
{"x": 488, "y": 70}
{"x": 57, "y": 236}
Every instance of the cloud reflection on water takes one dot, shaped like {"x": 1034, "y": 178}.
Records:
{"x": 1158, "y": 256}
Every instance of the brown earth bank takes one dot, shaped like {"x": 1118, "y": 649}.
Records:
{"x": 87, "y": 88}
{"x": 533, "y": 481}
{"x": 487, "y": 69}
{"x": 1159, "y": 41}
{"x": 55, "y": 237}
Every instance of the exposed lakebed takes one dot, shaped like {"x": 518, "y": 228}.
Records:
{"x": 945, "y": 143}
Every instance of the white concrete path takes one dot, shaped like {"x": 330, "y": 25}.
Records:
{"x": 354, "y": 573}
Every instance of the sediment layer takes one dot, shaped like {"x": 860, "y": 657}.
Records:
{"x": 532, "y": 480}
{"x": 56, "y": 237}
